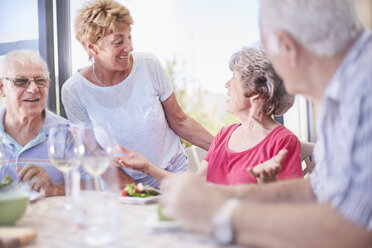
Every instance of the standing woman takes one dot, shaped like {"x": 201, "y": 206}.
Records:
{"x": 129, "y": 92}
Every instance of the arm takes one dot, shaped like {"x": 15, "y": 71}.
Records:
{"x": 261, "y": 224}
{"x": 136, "y": 161}
{"x": 202, "y": 171}
{"x": 296, "y": 225}
{"x": 184, "y": 126}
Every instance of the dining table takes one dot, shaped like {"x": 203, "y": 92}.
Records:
{"x": 56, "y": 227}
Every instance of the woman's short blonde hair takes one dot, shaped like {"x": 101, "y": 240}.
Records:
{"x": 99, "y": 18}
{"x": 259, "y": 77}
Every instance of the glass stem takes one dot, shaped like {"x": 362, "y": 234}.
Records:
{"x": 96, "y": 183}
{"x": 67, "y": 189}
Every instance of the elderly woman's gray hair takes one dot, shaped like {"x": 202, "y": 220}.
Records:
{"x": 259, "y": 77}
{"x": 24, "y": 58}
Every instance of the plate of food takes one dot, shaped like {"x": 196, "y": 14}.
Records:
{"x": 139, "y": 194}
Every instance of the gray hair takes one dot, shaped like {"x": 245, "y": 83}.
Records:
{"x": 23, "y": 58}
{"x": 324, "y": 27}
{"x": 259, "y": 77}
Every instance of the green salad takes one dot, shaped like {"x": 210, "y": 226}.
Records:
{"x": 6, "y": 182}
{"x": 139, "y": 190}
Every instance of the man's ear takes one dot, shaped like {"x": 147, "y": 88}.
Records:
{"x": 289, "y": 48}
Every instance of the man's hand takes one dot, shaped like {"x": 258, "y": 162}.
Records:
{"x": 267, "y": 171}
{"x": 188, "y": 198}
{"x": 39, "y": 178}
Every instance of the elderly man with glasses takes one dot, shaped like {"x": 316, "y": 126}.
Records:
{"x": 24, "y": 83}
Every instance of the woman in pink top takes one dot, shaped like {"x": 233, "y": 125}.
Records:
{"x": 236, "y": 153}
{"x": 256, "y": 93}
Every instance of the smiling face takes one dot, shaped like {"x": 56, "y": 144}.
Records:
{"x": 24, "y": 102}
{"x": 113, "y": 50}
{"x": 237, "y": 101}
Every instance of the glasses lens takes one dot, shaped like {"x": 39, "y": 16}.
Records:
{"x": 21, "y": 82}
{"x": 41, "y": 82}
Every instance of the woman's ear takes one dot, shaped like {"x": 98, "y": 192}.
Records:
{"x": 92, "y": 48}
{"x": 256, "y": 97}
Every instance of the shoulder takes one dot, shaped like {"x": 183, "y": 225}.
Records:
{"x": 73, "y": 82}
{"x": 226, "y": 130}
{"x": 283, "y": 135}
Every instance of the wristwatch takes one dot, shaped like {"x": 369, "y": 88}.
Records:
{"x": 223, "y": 229}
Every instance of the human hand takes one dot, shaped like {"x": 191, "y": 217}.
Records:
{"x": 38, "y": 178}
{"x": 191, "y": 201}
{"x": 267, "y": 171}
{"x": 132, "y": 160}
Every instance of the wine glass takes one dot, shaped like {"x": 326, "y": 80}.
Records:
{"x": 63, "y": 153}
{"x": 2, "y": 154}
{"x": 96, "y": 150}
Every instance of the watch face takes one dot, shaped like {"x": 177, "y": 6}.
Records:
{"x": 223, "y": 233}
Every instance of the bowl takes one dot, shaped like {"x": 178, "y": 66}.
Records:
{"x": 13, "y": 205}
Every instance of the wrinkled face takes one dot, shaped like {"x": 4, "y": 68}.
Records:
{"x": 24, "y": 102}
{"x": 113, "y": 51}
{"x": 237, "y": 102}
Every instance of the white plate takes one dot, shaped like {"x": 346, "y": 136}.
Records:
{"x": 166, "y": 225}
{"x": 139, "y": 200}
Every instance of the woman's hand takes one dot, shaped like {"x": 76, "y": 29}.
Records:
{"x": 39, "y": 178}
{"x": 267, "y": 171}
{"x": 133, "y": 160}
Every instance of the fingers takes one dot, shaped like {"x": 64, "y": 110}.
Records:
{"x": 122, "y": 149}
{"x": 252, "y": 172}
{"x": 27, "y": 172}
{"x": 18, "y": 169}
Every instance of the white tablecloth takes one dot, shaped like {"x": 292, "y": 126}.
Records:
{"x": 56, "y": 228}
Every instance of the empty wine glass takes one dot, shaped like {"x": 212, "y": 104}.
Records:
{"x": 96, "y": 150}
{"x": 2, "y": 154}
{"x": 63, "y": 152}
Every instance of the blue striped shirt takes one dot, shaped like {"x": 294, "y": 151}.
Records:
{"x": 343, "y": 153}
{"x": 34, "y": 152}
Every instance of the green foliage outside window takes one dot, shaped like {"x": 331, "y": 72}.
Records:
{"x": 193, "y": 104}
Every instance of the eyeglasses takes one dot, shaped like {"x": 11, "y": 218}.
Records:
{"x": 25, "y": 82}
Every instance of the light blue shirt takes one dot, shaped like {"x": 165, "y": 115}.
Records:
{"x": 343, "y": 153}
{"x": 34, "y": 152}
{"x": 132, "y": 111}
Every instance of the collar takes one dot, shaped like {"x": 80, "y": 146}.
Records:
{"x": 7, "y": 139}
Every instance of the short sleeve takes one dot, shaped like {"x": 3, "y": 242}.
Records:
{"x": 291, "y": 168}
{"x": 215, "y": 141}
{"x": 165, "y": 88}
